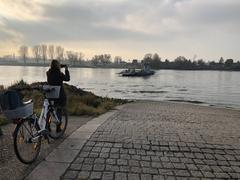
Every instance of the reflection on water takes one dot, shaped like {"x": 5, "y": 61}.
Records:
{"x": 210, "y": 87}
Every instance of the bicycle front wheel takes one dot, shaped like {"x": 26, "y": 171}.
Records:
{"x": 57, "y": 128}
{"x": 27, "y": 142}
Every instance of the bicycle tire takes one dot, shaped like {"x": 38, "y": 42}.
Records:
{"x": 36, "y": 146}
{"x": 52, "y": 131}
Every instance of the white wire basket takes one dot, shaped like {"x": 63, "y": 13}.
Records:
{"x": 21, "y": 112}
{"x": 53, "y": 94}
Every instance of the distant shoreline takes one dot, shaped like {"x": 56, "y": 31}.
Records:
{"x": 105, "y": 67}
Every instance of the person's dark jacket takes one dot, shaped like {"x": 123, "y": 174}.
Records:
{"x": 55, "y": 78}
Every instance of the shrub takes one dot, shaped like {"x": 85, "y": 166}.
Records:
{"x": 79, "y": 102}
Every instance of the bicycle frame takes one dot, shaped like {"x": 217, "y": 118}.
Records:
{"x": 43, "y": 117}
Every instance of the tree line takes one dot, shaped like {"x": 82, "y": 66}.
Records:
{"x": 45, "y": 52}
{"x": 182, "y": 63}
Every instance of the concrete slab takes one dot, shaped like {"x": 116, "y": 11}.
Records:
{"x": 70, "y": 143}
{"x": 62, "y": 155}
{"x": 48, "y": 170}
{"x": 88, "y": 128}
{"x": 80, "y": 135}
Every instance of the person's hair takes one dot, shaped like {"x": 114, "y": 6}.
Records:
{"x": 55, "y": 65}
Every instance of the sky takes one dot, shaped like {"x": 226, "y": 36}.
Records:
{"x": 207, "y": 29}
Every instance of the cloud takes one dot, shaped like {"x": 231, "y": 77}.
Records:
{"x": 172, "y": 25}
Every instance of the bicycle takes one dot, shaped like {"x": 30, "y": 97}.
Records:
{"x": 30, "y": 129}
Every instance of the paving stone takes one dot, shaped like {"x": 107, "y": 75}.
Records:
{"x": 106, "y": 144}
{"x": 125, "y": 156}
{"x": 89, "y": 160}
{"x": 150, "y": 170}
{"x": 133, "y": 163}
{"x": 167, "y": 165}
{"x": 83, "y": 174}
{"x": 145, "y": 163}
{"x": 93, "y": 155}
{"x": 179, "y": 165}
{"x": 124, "y": 169}
{"x": 146, "y": 177}
{"x": 132, "y": 176}
{"x": 216, "y": 169}
{"x": 117, "y": 145}
{"x": 196, "y": 174}
{"x": 99, "y": 167}
{"x": 108, "y": 176}
{"x": 114, "y": 156}
{"x": 132, "y": 151}
{"x": 136, "y": 169}
{"x": 75, "y": 167}
{"x": 78, "y": 160}
{"x": 122, "y": 162}
{"x": 87, "y": 167}
{"x": 111, "y": 161}
{"x": 96, "y": 175}
{"x": 136, "y": 157}
{"x": 158, "y": 177}
{"x": 166, "y": 172}
{"x": 121, "y": 176}
{"x": 208, "y": 174}
{"x": 222, "y": 175}
{"x": 146, "y": 158}
{"x": 236, "y": 169}
{"x": 71, "y": 174}
{"x": 204, "y": 167}
{"x": 156, "y": 165}
{"x": 112, "y": 168}
{"x": 170, "y": 178}
{"x": 99, "y": 161}
{"x": 104, "y": 155}
{"x": 90, "y": 143}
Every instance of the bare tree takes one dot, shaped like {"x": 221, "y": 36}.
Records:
{"x": 36, "y": 52}
{"x": 102, "y": 59}
{"x": 59, "y": 52}
{"x": 51, "y": 52}
{"x": 80, "y": 59}
{"x": 23, "y": 52}
{"x": 72, "y": 57}
{"x": 43, "y": 50}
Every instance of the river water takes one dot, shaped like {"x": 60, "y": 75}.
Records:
{"x": 218, "y": 88}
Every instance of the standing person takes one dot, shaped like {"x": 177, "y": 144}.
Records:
{"x": 55, "y": 78}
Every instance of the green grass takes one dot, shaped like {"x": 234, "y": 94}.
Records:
{"x": 79, "y": 102}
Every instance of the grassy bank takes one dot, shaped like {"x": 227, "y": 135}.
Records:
{"x": 79, "y": 102}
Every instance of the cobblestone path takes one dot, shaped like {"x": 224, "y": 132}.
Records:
{"x": 153, "y": 140}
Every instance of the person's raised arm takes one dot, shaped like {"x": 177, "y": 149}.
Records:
{"x": 66, "y": 76}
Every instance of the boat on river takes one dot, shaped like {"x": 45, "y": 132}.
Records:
{"x": 134, "y": 72}
{"x": 146, "y": 71}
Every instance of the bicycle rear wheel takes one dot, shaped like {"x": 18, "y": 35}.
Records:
{"x": 55, "y": 129}
{"x": 27, "y": 142}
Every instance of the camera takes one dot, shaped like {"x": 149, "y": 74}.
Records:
{"x": 63, "y": 65}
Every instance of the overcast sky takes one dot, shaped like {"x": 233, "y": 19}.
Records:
{"x": 128, "y": 28}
